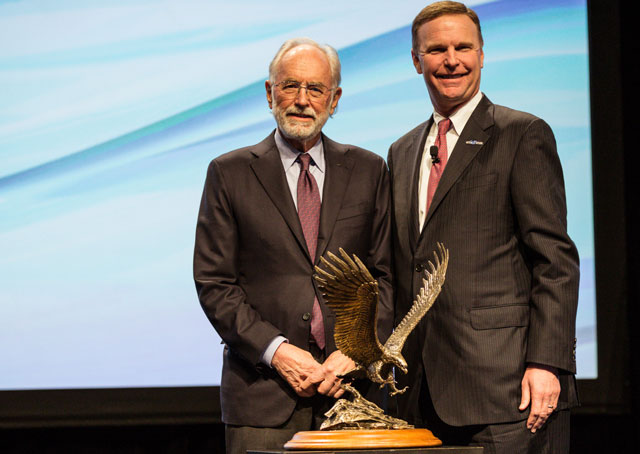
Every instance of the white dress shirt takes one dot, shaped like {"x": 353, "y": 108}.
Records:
{"x": 288, "y": 155}
{"x": 458, "y": 120}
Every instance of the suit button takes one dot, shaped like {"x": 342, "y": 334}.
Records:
{"x": 306, "y": 316}
{"x": 419, "y": 268}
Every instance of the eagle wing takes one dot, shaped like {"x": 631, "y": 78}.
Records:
{"x": 352, "y": 293}
{"x": 424, "y": 300}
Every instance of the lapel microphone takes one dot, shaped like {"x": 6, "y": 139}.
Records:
{"x": 434, "y": 154}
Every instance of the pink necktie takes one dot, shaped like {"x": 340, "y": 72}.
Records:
{"x": 438, "y": 168}
{"x": 309, "y": 214}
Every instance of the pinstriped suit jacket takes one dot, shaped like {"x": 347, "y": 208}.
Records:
{"x": 511, "y": 290}
{"x": 252, "y": 268}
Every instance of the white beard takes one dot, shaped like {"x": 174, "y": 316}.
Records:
{"x": 301, "y": 131}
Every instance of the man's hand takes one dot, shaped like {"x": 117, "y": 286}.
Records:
{"x": 325, "y": 377}
{"x": 296, "y": 366}
{"x": 540, "y": 388}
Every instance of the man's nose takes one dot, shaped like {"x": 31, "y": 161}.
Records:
{"x": 302, "y": 97}
{"x": 451, "y": 57}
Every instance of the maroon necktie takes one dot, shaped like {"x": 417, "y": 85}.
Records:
{"x": 438, "y": 168}
{"x": 309, "y": 214}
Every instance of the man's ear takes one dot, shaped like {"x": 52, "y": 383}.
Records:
{"x": 416, "y": 61}
{"x": 334, "y": 101}
{"x": 267, "y": 86}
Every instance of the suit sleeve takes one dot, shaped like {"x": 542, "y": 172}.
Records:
{"x": 216, "y": 277}
{"x": 380, "y": 254}
{"x": 539, "y": 203}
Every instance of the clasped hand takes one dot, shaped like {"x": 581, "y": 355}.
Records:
{"x": 306, "y": 376}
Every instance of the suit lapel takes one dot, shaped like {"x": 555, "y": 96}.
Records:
{"x": 338, "y": 167}
{"x": 405, "y": 175}
{"x": 269, "y": 171}
{"x": 416, "y": 159}
{"x": 464, "y": 152}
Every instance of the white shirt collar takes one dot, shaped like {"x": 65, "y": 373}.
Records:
{"x": 460, "y": 117}
{"x": 288, "y": 154}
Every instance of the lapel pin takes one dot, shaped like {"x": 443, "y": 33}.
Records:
{"x": 473, "y": 142}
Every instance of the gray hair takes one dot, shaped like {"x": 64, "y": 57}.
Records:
{"x": 330, "y": 52}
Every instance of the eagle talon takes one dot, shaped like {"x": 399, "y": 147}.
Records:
{"x": 395, "y": 390}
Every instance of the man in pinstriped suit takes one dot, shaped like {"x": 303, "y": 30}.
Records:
{"x": 493, "y": 362}
{"x": 255, "y": 253}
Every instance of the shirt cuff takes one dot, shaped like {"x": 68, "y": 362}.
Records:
{"x": 267, "y": 356}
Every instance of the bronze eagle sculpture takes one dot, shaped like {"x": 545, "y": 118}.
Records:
{"x": 352, "y": 293}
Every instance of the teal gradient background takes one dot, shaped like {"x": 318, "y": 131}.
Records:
{"x": 111, "y": 111}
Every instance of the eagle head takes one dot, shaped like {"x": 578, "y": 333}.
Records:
{"x": 399, "y": 362}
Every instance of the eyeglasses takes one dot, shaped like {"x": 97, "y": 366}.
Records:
{"x": 291, "y": 88}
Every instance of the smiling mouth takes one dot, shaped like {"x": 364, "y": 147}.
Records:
{"x": 450, "y": 76}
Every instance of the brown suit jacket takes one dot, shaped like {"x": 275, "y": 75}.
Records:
{"x": 253, "y": 272}
{"x": 511, "y": 289}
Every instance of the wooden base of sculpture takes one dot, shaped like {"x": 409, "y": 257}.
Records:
{"x": 362, "y": 439}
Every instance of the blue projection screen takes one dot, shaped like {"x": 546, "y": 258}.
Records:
{"x": 111, "y": 111}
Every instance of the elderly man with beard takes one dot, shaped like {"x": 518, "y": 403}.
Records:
{"x": 268, "y": 213}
